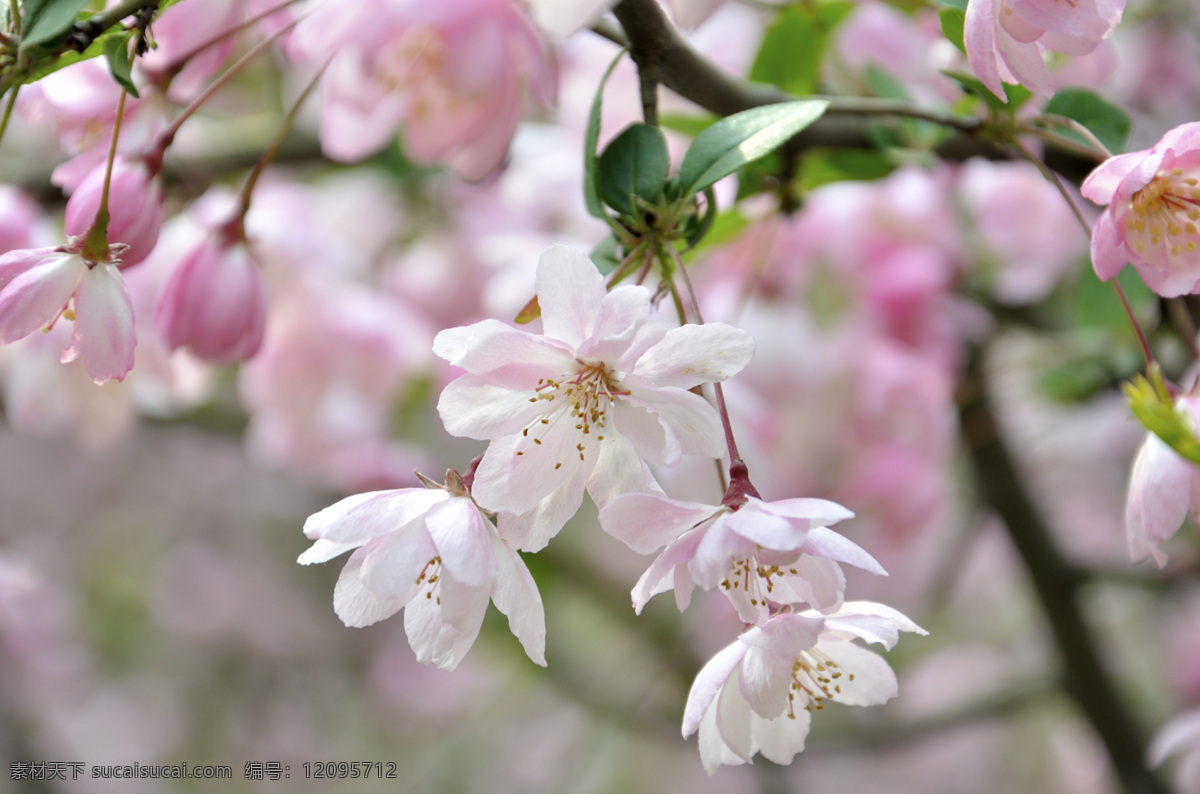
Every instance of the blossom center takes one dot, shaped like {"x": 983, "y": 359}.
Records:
{"x": 430, "y": 578}
{"x": 582, "y": 398}
{"x": 815, "y": 678}
{"x": 1165, "y": 212}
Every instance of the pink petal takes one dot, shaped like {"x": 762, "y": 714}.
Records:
{"x": 504, "y": 356}
{"x": 765, "y": 680}
{"x": 35, "y": 297}
{"x": 825, "y": 542}
{"x": 1159, "y": 491}
{"x": 353, "y": 603}
{"x": 104, "y": 331}
{"x": 874, "y": 682}
{"x": 470, "y": 407}
{"x": 1102, "y": 183}
{"x": 1109, "y": 255}
{"x": 979, "y": 38}
{"x": 356, "y": 519}
{"x": 779, "y": 740}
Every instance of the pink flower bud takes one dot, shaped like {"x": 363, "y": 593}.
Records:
{"x": 134, "y": 208}
{"x": 214, "y": 303}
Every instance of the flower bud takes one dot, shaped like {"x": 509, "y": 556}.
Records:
{"x": 214, "y": 302}
{"x": 134, "y": 208}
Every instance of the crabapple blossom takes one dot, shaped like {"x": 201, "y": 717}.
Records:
{"x": 215, "y": 303}
{"x": 1006, "y": 39}
{"x": 452, "y": 75}
{"x": 36, "y": 288}
{"x": 1163, "y": 489}
{"x": 583, "y": 405}
{"x": 757, "y": 694}
{"x": 134, "y": 206}
{"x": 1153, "y": 199}
{"x": 431, "y": 552}
{"x": 760, "y": 554}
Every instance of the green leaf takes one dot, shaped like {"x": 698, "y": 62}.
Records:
{"x": 1152, "y": 404}
{"x": 953, "y": 22}
{"x": 116, "y": 50}
{"x": 743, "y": 138}
{"x": 820, "y": 166}
{"x": 47, "y": 21}
{"x": 1017, "y": 94}
{"x": 633, "y": 165}
{"x": 961, "y": 5}
{"x": 591, "y": 192}
{"x": 689, "y": 125}
{"x": 702, "y": 226}
{"x": 1095, "y": 304}
{"x": 794, "y": 46}
{"x": 1106, "y": 121}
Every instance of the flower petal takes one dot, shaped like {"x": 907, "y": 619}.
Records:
{"x": 516, "y": 595}
{"x": 570, "y": 290}
{"x": 648, "y": 521}
{"x": 356, "y": 519}
{"x": 356, "y": 605}
{"x": 693, "y": 354}
{"x": 470, "y": 407}
{"x": 462, "y": 537}
{"x": 35, "y": 297}
{"x": 104, "y": 332}
{"x": 708, "y": 684}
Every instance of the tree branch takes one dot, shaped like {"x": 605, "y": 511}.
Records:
{"x": 1057, "y": 583}
{"x": 654, "y": 42}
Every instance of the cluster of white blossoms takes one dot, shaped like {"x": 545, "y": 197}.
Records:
{"x": 606, "y": 391}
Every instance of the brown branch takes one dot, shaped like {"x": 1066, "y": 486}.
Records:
{"x": 1057, "y": 583}
{"x": 848, "y": 123}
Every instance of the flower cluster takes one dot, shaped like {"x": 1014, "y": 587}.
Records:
{"x": 604, "y": 393}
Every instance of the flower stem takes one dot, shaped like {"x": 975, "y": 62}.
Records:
{"x": 15, "y": 13}
{"x": 167, "y": 136}
{"x": 8, "y": 109}
{"x": 176, "y": 66}
{"x": 95, "y": 245}
{"x": 1147, "y": 353}
{"x": 237, "y": 226}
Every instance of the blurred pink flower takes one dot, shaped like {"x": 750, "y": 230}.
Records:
{"x": 1006, "y": 39}
{"x": 36, "y": 287}
{"x": 134, "y": 206}
{"x": 1163, "y": 488}
{"x": 182, "y": 28}
{"x": 214, "y": 303}
{"x": 1153, "y": 199}
{"x": 1021, "y": 268}
{"x": 761, "y": 555}
{"x": 431, "y": 552}
{"x": 581, "y": 406}
{"x": 564, "y": 17}
{"x": 452, "y": 75}
{"x": 757, "y": 694}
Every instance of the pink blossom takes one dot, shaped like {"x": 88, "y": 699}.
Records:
{"x": 431, "y": 552}
{"x": 1025, "y": 267}
{"x": 36, "y": 287}
{"x": 182, "y": 28}
{"x": 1153, "y": 199}
{"x": 761, "y": 555}
{"x": 1006, "y": 39}
{"x": 565, "y": 17}
{"x": 583, "y": 405}
{"x": 758, "y": 693}
{"x": 134, "y": 206}
{"x": 1163, "y": 488}
{"x": 215, "y": 303}
{"x": 452, "y": 75}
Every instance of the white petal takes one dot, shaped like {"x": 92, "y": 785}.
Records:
{"x": 766, "y": 530}
{"x": 780, "y": 739}
{"x": 708, "y": 684}
{"x": 570, "y": 290}
{"x": 356, "y": 519}
{"x": 618, "y": 471}
{"x": 472, "y": 408}
{"x": 785, "y": 635}
{"x": 392, "y": 564}
{"x": 874, "y": 682}
{"x": 505, "y": 356}
{"x": 462, "y": 537}
{"x": 693, "y": 426}
{"x": 324, "y": 550}
{"x": 516, "y": 595}
{"x": 694, "y": 354}
{"x": 733, "y": 719}
{"x": 647, "y": 521}
{"x": 35, "y": 297}
{"x": 817, "y": 512}
{"x": 519, "y": 471}
{"x": 824, "y": 542}
{"x": 765, "y": 680}
{"x": 356, "y": 605}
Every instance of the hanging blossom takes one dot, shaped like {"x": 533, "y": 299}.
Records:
{"x": 38, "y": 286}
{"x": 758, "y": 694}
{"x": 583, "y": 405}
{"x": 1153, "y": 215}
{"x": 1006, "y": 40}
{"x": 761, "y": 555}
{"x": 431, "y": 552}
{"x": 1163, "y": 489}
